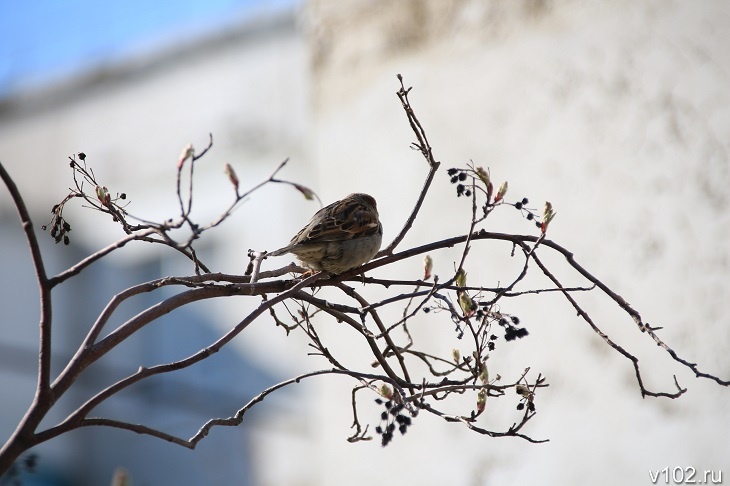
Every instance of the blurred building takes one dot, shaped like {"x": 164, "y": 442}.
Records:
{"x": 243, "y": 84}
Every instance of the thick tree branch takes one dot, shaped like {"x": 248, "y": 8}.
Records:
{"x": 43, "y": 399}
{"x": 44, "y": 355}
{"x": 134, "y": 324}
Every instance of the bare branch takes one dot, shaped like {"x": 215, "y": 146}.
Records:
{"x": 89, "y": 355}
{"x": 378, "y": 322}
{"x": 425, "y": 148}
{"x": 512, "y": 432}
{"x": 137, "y": 428}
{"x": 44, "y": 353}
{"x": 370, "y": 340}
{"x": 80, "y": 266}
{"x": 609, "y": 341}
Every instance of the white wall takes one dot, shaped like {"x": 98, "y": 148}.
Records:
{"x": 618, "y": 113}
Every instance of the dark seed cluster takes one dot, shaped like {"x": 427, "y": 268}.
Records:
{"x": 510, "y": 324}
{"x": 527, "y": 213}
{"x": 522, "y": 204}
{"x": 530, "y": 405}
{"x": 490, "y": 343}
{"x": 392, "y": 418}
{"x": 511, "y": 331}
{"x": 83, "y": 175}
{"x": 527, "y": 400}
{"x": 458, "y": 177}
{"x": 60, "y": 228}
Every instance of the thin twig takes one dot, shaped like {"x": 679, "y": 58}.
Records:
{"x": 425, "y": 148}
{"x": 80, "y": 266}
{"x": 584, "y": 315}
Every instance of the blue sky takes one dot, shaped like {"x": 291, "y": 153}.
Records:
{"x": 42, "y": 40}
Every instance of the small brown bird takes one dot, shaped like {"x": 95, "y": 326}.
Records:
{"x": 339, "y": 237}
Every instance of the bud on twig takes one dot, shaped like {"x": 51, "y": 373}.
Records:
{"x": 232, "y": 176}
{"x": 186, "y": 153}
{"x": 306, "y": 192}
{"x": 427, "y": 267}
{"x": 484, "y": 374}
{"x": 461, "y": 278}
{"x": 102, "y": 193}
{"x": 547, "y": 215}
{"x": 481, "y": 400}
{"x": 465, "y": 302}
{"x": 484, "y": 177}
{"x": 501, "y": 192}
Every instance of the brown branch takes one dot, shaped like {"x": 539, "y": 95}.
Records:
{"x": 692, "y": 366}
{"x": 379, "y": 323}
{"x": 137, "y": 428}
{"x": 238, "y": 417}
{"x": 437, "y": 245}
{"x": 44, "y": 354}
{"x": 241, "y": 197}
{"x": 451, "y": 386}
{"x": 528, "y": 251}
{"x": 89, "y": 351}
{"x": 80, "y": 266}
{"x": 78, "y": 418}
{"x": 633, "y": 313}
{"x": 512, "y": 432}
{"x": 166, "y": 240}
{"x": 73, "y": 420}
{"x": 185, "y": 211}
{"x": 324, "y": 307}
{"x": 387, "y": 283}
{"x": 425, "y": 148}
{"x": 584, "y": 315}
{"x": 359, "y": 434}
{"x": 313, "y": 335}
{"x": 21, "y": 438}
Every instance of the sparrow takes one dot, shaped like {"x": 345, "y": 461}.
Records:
{"x": 339, "y": 237}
